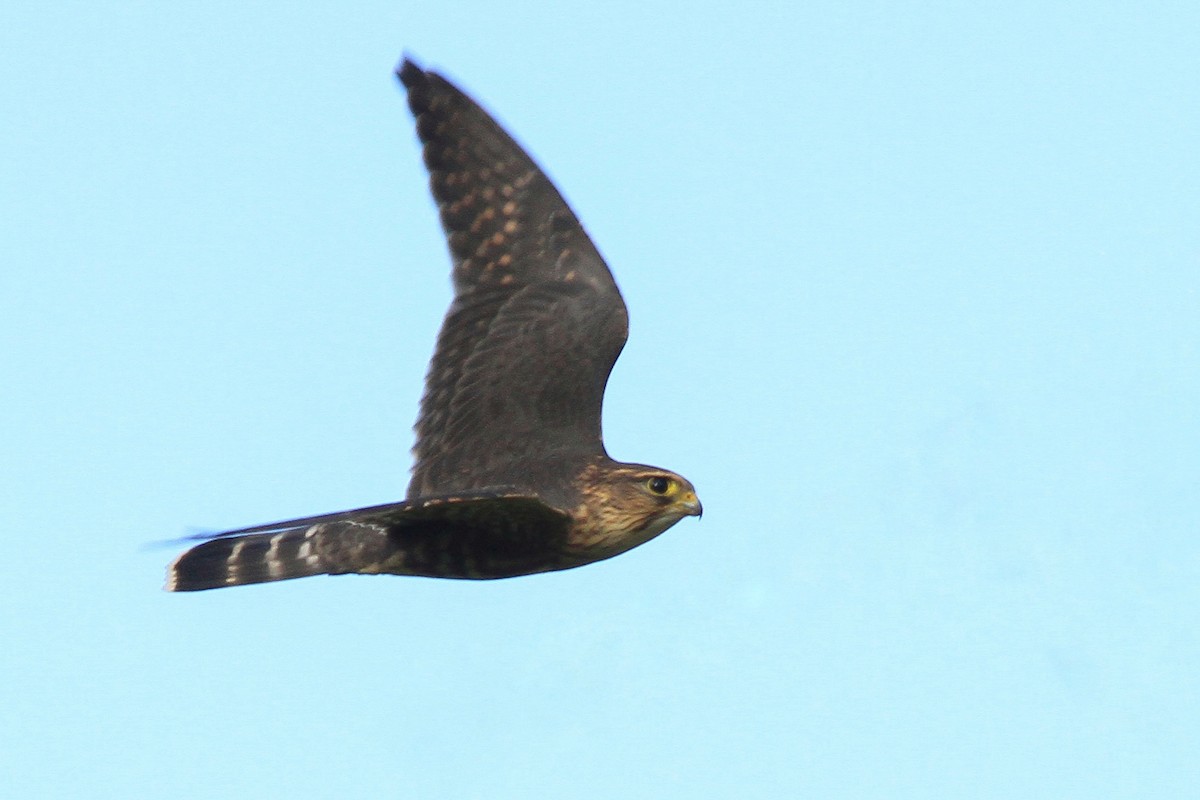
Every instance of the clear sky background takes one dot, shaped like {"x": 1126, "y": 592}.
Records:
{"x": 915, "y": 299}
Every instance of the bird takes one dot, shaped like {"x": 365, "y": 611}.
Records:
{"x": 510, "y": 474}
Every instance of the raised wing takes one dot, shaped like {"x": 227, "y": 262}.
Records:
{"x": 518, "y": 375}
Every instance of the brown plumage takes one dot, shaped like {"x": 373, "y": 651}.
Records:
{"x": 511, "y": 476}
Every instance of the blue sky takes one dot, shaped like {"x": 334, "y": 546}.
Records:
{"x": 914, "y": 293}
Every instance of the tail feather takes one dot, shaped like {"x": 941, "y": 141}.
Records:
{"x": 254, "y": 558}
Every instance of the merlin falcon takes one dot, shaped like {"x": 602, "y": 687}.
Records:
{"x": 511, "y": 476}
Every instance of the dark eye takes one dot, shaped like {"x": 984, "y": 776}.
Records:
{"x": 659, "y": 485}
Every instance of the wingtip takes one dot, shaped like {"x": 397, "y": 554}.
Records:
{"x": 409, "y": 72}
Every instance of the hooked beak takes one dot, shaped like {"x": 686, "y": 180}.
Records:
{"x": 691, "y": 505}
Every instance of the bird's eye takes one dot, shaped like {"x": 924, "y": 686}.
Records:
{"x": 659, "y": 485}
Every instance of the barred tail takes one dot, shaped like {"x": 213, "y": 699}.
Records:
{"x": 252, "y": 558}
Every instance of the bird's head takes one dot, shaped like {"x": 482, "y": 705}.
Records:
{"x": 629, "y": 504}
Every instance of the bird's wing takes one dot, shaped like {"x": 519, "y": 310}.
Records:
{"x": 402, "y": 513}
{"x": 537, "y": 321}
{"x": 481, "y": 535}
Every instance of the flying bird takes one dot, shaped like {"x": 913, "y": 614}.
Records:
{"x": 511, "y": 476}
